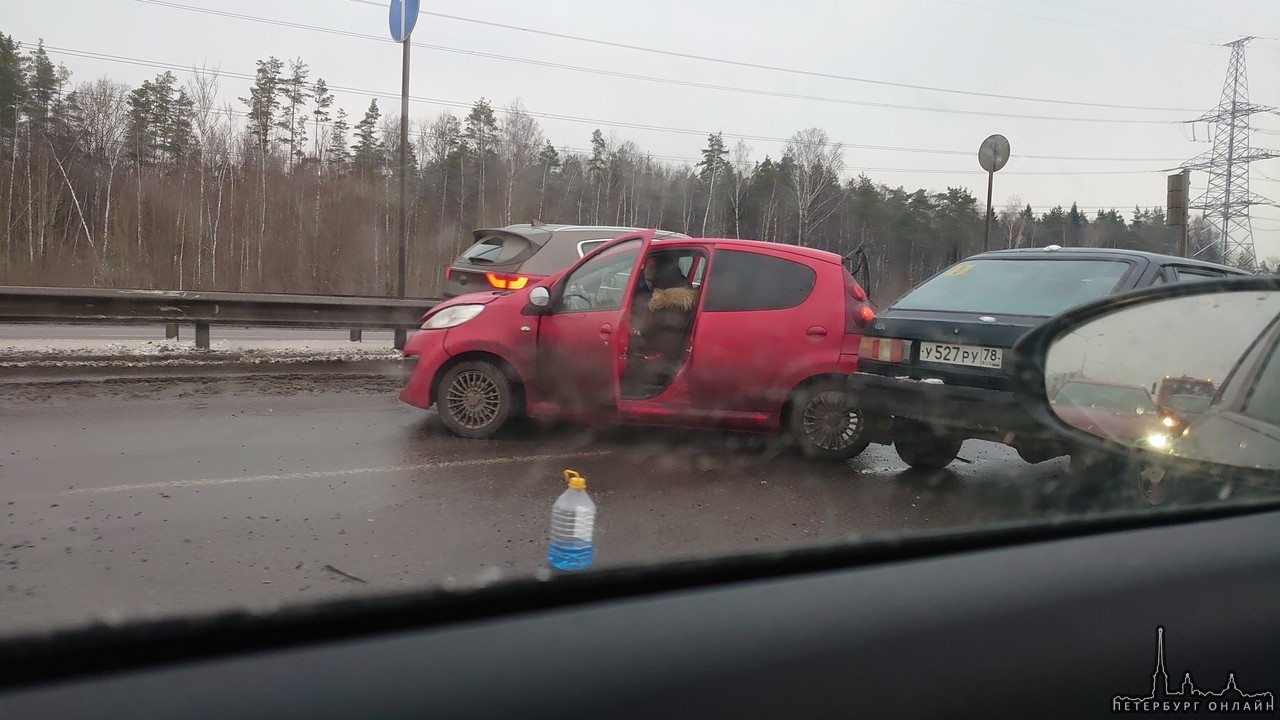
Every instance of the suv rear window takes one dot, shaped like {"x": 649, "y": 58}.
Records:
{"x": 560, "y": 252}
{"x": 747, "y": 281}
{"x": 497, "y": 250}
{"x": 1038, "y": 288}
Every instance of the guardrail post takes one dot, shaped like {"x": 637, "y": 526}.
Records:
{"x": 357, "y": 335}
{"x": 202, "y": 336}
{"x": 402, "y": 336}
{"x": 171, "y": 331}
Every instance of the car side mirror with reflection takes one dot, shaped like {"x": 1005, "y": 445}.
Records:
{"x": 539, "y": 301}
{"x": 540, "y": 297}
{"x": 1185, "y": 376}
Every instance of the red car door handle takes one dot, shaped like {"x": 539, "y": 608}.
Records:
{"x": 606, "y": 330}
{"x": 816, "y": 331}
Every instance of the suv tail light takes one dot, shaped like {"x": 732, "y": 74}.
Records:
{"x": 448, "y": 272}
{"x": 884, "y": 349}
{"x": 502, "y": 281}
{"x": 857, "y": 313}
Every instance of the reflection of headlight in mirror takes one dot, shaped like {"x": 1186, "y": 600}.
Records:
{"x": 452, "y": 317}
{"x": 1159, "y": 441}
{"x": 1168, "y": 421}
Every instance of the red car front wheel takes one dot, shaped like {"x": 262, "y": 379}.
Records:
{"x": 475, "y": 400}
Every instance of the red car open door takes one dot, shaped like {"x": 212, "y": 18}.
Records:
{"x": 582, "y": 339}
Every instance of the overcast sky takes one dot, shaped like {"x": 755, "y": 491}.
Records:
{"x": 1141, "y": 345}
{"x": 1141, "y": 53}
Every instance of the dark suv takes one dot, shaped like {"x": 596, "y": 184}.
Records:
{"x": 939, "y": 359}
{"x": 510, "y": 258}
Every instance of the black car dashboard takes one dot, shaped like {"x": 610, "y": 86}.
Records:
{"x": 1059, "y": 623}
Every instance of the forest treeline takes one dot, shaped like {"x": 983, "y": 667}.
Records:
{"x": 274, "y": 188}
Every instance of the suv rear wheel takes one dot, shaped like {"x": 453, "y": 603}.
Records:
{"x": 825, "y": 423}
{"x": 475, "y": 399}
{"x": 923, "y": 448}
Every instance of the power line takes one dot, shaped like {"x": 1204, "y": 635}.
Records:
{"x": 650, "y": 78}
{"x": 774, "y": 68}
{"x": 609, "y": 123}
{"x": 1075, "y": 24}
{"x": 1139, "y": 18}
{"x": 667, "y": 81}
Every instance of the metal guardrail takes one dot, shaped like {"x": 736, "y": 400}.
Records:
{"x": 202, "y": 309}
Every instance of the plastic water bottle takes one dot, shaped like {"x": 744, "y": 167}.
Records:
{"x": 573, "y": 521}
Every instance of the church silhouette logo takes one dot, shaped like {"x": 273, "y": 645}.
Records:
{"x": 1189, "y": 698}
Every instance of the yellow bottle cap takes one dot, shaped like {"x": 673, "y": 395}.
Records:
{"x": 576, "y": 481}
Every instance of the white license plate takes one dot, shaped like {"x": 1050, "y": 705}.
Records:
{"x": 968, "y": 355}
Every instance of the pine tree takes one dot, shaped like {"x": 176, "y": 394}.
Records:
{"x": 294, "y": 94}
{"x": 44, "y": 83}
{"x": 549, "y": 161}
{"x": 323, "y": 101}
{"x": 264, "y": 103}
{"x": 367, "y": 150}
{"x": 715, "y": 158}
{"x": 1077, "y": 224}
{"x": 146, "y": 124}
{"x": 337, "y": 153}
{"x": 161, "y": 122}
{"x": 597, "y": 169}
{"x": 13, "y": 85}
{"x": 481, "y": 137}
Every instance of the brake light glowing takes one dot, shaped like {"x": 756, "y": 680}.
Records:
{"x": 857, "y": 292}
{"x": 884, "y": 349}
{"x": 502, "y": 281}
{"x": 867, "y": 315}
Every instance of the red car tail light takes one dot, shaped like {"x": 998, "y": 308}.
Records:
{"x": 857, "y": 313}
{"x": 448, "y": 272}
{"x": 884, "y": 349}
{"x": 502, "y": 281}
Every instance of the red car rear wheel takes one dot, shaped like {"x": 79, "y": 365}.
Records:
{"x": 826, "y": 424}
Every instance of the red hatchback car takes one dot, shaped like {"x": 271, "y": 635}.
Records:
{"x": 699, "y": 333}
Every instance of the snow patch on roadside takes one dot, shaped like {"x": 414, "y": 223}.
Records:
{"x": 177, "y": 353}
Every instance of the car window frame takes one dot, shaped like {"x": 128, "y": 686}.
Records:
{"x": 717, "y": 259}
{"x": 1257, "y": 360}
{"x": 596, "y": 244}
{"x": 530, "y": 249}
{"x": 1195, "y": 273}
{"x": 563, "y": 284}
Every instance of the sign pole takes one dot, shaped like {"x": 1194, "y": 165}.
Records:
{"x": 401, "y": 335}
{"x": 404, "y": 15}
{"x": 992, "y": 155}
{"x": 986, "y": 234}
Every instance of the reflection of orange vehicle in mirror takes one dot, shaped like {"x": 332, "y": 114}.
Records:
{"x": 1109, "y": 410}
{"x": 1180, "y": 399}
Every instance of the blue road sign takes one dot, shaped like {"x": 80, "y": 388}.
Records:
{"x": 404, "y": 15}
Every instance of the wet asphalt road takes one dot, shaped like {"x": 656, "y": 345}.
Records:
{"x": 132, "y": 498}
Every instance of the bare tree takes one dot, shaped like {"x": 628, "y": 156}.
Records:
{"x": 816, "y": 164}
{"x": 519, "y": 139}
{"x": 1012, "y": 221}
{"x": 102, "y": 109}
{"x": 743, "y": 172}
{"x": 102, "y": 113}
